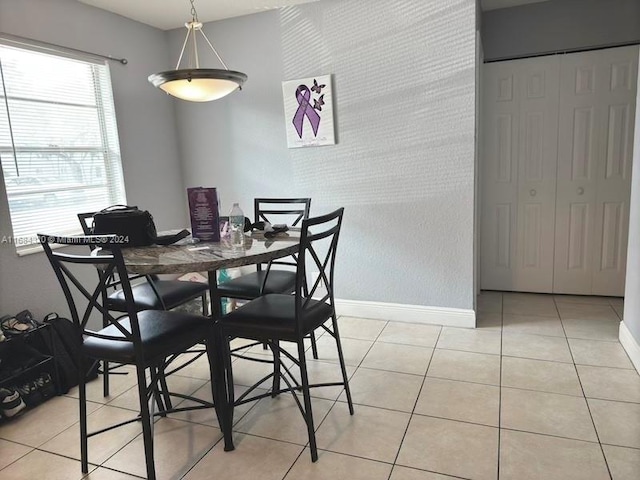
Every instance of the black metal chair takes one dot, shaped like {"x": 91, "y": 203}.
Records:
{"x": 149, "y": 293}
{"x": 149, "y": 339}
{"x": 268, "y": 279}
{"x": 274, "y": 318}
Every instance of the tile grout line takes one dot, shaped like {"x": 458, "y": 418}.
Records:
{"x": 415, "y": 404}
{"x": 593, "y": 423}
{"x": 500, "y": 386}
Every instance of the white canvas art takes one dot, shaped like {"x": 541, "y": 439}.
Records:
{"x": 308, "y": 112}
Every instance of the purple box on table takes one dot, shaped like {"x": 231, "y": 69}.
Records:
{"x": 204, "y": 213}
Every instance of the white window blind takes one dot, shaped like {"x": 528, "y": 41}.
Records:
{"x": 59, "y": 148}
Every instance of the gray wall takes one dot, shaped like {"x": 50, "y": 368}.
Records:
{"x": 403, "y": 167}
{"x": 557, "y": 25}
{"x": 632, "y": 288}
{"x": 146, "y": 123}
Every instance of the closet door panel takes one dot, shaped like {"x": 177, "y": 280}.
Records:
{"x": 619, "y": 69}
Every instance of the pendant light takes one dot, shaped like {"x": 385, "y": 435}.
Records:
{"x": 197, "y": 84}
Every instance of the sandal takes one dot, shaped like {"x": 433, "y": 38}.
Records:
{"x": 18, "y": 324}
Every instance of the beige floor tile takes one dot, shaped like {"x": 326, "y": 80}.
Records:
{"x": 10, "y": 452}
{"x": 323, "y": 372}
{"x": 106, "y": 474}
{"x": 468, "y": 402}
{"x": 589, "y": 329}
{"x": 465, "y": 366}
{"x": 543, "y": 376}
{"x": 489, "y": 302}
{"x": 582, "y": 299}
{"x": 360, "y": 328}
{"x": 617, "y": 423}
{"x": 546, "y": 413}
{"x": 537, "y": 347}
{"x": 335, "y": 466}
{"x": 36, "y": 426}
{"x": 470, "y": 340}
{"x": 43, "y": 465}
{"x": 587, "y": 312}
{"x": 533, "y": 325}
{"x": 253, "y": 458}
{"x": 118, "y": 384}
{"x": 529, "y": 304}
{"x": 102, "y": 446}
{"x": 372, "y": 433}
{"x": 247, "y": 372}
{"x": 619, "y": 311}
{"x": 379, "y": 388}
{"x": 398, "y": 358}
{"x": 449, "y": 447}
{"x": 616, "y": 302}
{"x": 529, "y": 456}
{"x": 199, "y": 368}
{"x": 280, "y": 419}
{"x": 178, "y": 384}
{"x": 489, "y": 322}
{"x": 410, "y": 334}
{"x": 610, "y": 383}
{"x": 354, "y": 350}
{"x": 624, "y": 463}
{"x": 599, "y": 354}
{"x": 207, "y": 416}
{"x": 177, "y": 447}
{"x": 406, "y": 473}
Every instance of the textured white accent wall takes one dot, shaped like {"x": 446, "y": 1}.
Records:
{"x": 632, "y": 287}
{"x": 403, "y": 167}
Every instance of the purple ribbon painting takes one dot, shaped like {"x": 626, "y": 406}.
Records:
{"x": 303, "y": 96}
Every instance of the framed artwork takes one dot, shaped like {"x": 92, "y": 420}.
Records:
{"x": 308, "y": 112}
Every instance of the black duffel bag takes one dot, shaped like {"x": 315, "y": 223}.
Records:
{"x": 133, "y": 227}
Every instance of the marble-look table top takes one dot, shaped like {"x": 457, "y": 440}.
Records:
{"x": 185, "y": 256}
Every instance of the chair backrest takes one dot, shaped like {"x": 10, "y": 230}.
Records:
{"x": 86, "y": 221}
{"x": 317, "y": 254}
{"x": 281, "y": 210}
{"x": 84, "y": 301}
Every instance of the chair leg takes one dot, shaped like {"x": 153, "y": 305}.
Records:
{"x": 105, "y": 378}
{"x": 275, "y": 386}
{"x": 308, "y": 415}
{"x": 82, "y": 393}
{"x": 219, "y": 356}
{"x": 347, "y": 390}
{"x": 314, "y": 347}
{"x": 145, "y": 417}
{"x": 205, "y": 305}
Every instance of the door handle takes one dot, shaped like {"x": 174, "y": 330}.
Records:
{"x": 532, "y": 192}
{"x": 580, "y": 190}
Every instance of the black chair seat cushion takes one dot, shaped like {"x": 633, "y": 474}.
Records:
{"x": 248, "y": 286}
{"x": 162, "y": 333}
{"x": 272, "y": 317}
{"x": 173, "y": 292}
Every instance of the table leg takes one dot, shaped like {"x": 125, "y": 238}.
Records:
{"x": 224, "y": 408}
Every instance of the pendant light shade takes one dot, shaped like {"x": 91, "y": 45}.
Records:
{"x": 197, "y": 84}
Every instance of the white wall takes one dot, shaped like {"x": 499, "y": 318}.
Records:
{"x": 146, "y": 124}
{"x": 632, "y": 288}
{"x": 558, "y": 25}
{"x": 403, "y": 167}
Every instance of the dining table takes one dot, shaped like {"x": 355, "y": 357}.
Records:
{"x": 187, "y": 256}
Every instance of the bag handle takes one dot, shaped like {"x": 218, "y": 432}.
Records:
{"x": 112, "y": 208}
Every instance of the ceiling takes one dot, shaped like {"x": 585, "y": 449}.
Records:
{"x": 168, "y": 14}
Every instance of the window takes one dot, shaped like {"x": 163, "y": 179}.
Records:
{"x": 59, "y": 147}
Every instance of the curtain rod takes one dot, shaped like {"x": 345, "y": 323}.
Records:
{"x": 561, "y": 52}
{"x": 56, "y": 48}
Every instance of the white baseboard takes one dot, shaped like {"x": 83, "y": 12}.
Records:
{"x": 395, "y": 312}
{"x": 630, "y": 345}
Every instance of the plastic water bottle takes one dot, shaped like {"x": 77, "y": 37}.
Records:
{"x": 236, "y": 222}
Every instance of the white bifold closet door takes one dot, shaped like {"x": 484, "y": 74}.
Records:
{"x": 555, "y": 167}
{"x": 596, "y": 124}
{"x": 520, "y": 138}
